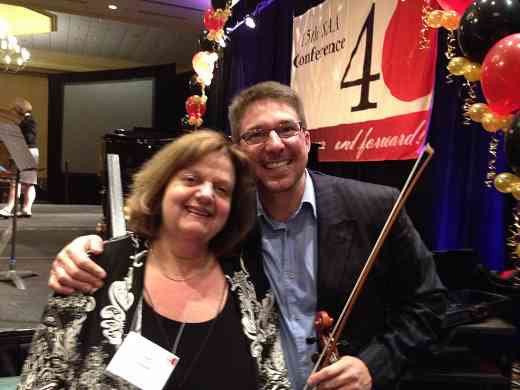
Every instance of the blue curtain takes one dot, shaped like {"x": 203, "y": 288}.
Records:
{"x": 465, "y": 213}
{"x": 259, "y": 54}
{"x": 452, "y": 208}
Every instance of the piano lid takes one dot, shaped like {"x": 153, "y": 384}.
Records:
{"x": 139, "y": 133}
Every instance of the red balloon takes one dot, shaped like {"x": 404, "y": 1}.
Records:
{"x": 212, "y": 21}
{"x": 459, "y": 6}
{"x": 500, "y": 77}
{"x": 195, "y": 106}
{"x": 403, "y": 56}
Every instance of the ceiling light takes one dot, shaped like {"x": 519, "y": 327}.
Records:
{"x": 222, "y": 41}
{"x": 3, "y": 28}
{"x": 12, "y": 55}
{"x": 113, "y": 7}
{"x": 250, "y": 22}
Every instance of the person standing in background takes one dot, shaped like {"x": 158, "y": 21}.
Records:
{"x": 28, "y": 179}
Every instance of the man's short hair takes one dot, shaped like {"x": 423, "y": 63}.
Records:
{"x": 267, "y": 90}
{"x": 143, "y": 207}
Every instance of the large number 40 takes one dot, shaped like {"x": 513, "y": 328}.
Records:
{"x": 366, "y": 77}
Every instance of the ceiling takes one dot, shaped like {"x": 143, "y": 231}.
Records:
{"x": 90, "y": 36}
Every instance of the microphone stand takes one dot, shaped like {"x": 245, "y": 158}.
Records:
{"x": 12, "y": 275}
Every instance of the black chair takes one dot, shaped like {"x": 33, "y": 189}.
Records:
{"x": 478, "y": 353}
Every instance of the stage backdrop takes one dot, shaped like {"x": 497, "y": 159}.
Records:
{"x": 365, "y": 82}
{"x": 451, "y": 207}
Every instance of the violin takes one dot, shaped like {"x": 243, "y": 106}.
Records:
{"x": 323, "y": 324}
{"x": 327, "y": 338}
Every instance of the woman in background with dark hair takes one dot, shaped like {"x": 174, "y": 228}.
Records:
{"x": 28, "y": 179}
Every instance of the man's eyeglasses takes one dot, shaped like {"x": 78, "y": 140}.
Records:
{"x": 284, "y": 130}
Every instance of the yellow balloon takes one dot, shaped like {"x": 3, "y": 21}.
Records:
{"x": 505, "y": 121}
{"x": 434, "y": 19}
{"x": 504, "y": 182}
{"x": 472, "y": 71}
{"x": 475, "y": 111}
{"x": 515, "y": 190}
{"x": 490, "y": 122}
{"x": 204, "y": 63}
{"x": 517, "y": 250}
{"x": 457, "y": 65}
{"x": 450, "y": 20}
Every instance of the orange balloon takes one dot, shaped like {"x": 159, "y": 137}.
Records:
{"x": 450, "y": 20}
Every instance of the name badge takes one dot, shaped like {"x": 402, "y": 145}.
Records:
{"x": 142, "y": 363}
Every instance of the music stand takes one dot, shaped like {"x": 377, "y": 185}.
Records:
{"x": 15, "y": 143}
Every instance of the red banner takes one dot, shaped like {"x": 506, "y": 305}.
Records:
{"x": 383, "y": 139}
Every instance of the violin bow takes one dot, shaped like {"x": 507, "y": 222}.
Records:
{"x": 330, "y": 346}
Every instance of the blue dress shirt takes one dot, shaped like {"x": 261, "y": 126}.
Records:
{"x": 289, "y": 251}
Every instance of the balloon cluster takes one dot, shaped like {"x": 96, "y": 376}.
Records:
{"x": 214, "y": 21}
{"x": 204, "y": 61}
{"x": 488, "y": 41}
{"x": 196, "y": 108}
{"x": 488, "y": 35}
{"x": 490, "y": 120}
{"x": 510, "y": 183}
{"x": 448, "y": 19}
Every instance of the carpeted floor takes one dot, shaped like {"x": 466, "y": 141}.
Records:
{"x": 38, "y": 239}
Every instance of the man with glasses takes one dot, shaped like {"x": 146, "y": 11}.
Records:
{"x": 313, "y": 236}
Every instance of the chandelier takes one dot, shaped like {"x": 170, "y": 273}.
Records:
{"x": 12, "y": 56}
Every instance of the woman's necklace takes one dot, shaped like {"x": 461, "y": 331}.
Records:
{"x": 180, "y": 332}
{"x": 207, "y": 269}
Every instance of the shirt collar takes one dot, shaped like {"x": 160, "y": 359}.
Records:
{"x": 309, "y": 197}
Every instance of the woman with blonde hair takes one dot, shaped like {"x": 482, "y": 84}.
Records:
{"x": 28, "y": 179}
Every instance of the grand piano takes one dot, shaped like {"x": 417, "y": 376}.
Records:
{"x": 134, "y": 147}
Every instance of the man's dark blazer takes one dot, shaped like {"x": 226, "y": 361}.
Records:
{"x": 400, "y": 309}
